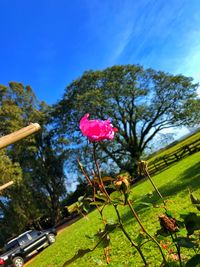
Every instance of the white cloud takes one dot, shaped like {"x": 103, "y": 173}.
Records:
{"x": 121, "y": 45}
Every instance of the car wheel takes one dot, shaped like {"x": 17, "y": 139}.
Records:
{"x": 18, "y": 261}
{"x": 51, "y": 238}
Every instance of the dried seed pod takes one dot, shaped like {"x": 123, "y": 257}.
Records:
{"x": 168, "y": 223}
{"x": 142, "y": 167}
{"x": 120, "y": 181}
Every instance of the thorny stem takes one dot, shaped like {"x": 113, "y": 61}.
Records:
{"x": 154, "y": 186}
{"x": 129, "y": 238}
{"x": 102, "y": 187}
{"x": 84, "y": 216}
{"x": 102, "y": 238}
{"x": 93, "y": 187}
{"x": 101, "y": 184}
{"x": 85, "y": 174}
{"x": 159, "y": 194}
{"x": 178, "y": 250}
{"x": 144, "y": 230}
{"x": 106, "y": 250}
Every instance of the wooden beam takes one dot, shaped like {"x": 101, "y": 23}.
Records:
{"x": 18, "y": 135}
{"x": 2, "y": 187}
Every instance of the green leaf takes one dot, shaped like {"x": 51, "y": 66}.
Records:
{"x": 140, "y": 238}
{"x": 145, "y": 204}
{"x": 182, "y": 232}
{"x": 90, "y": 237}
{"x": 117, "y": 202}
{"x": 102, "y": 197}
{"x": 197, "y": 206}
{"x": 185, "y": 242}
{"x": 183, "y": 213}
{"x": 110, "y": 221}
{"x": 180, "y": 224}
{"x": 86, "y": 207}
{"x": 105, "y": 242}
{"x": 194, "y": 261}
{"x": 192, "y": 222}
{"x": 81, "y": 198}
{"x": 169, "y": 214}
{"x": 115, "y": 194}
{"x": 194, "y": 199}
{"x": 161, "y": 232}
{"x": 111, "y": 227}
{"x": 98, "y": 203}
{"x": 149, "y": 194}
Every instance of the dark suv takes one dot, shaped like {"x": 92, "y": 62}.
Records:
{"x": 24, "y": 245}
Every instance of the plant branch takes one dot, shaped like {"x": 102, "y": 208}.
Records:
{"x": 128, "y": 237}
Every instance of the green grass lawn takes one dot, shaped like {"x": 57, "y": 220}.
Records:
{"x": 173, "y": 184}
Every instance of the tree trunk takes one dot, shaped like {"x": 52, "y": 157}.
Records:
{"x": 135, "y": 158}
{"x": 55, "y": 209}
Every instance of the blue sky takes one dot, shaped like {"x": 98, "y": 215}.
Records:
{"x": 49, "y": 43}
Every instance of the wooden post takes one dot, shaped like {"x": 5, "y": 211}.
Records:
{"x": 188, "y": 149}
{"x": 6, "y": 185}
{"x": 18, "y": 135}
{"x": 176, "y": 156}
{"x": 165, "y": 161}
{"x": 15, "y": 137}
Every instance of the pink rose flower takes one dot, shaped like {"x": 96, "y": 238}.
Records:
{"x": 97, "y": 130}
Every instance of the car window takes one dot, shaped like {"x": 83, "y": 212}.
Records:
{"x": 23, "y": 239}
{"x": 34, "y": 234}
{"x": 11, "y": 245}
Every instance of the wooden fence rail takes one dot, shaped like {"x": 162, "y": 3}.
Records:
{"x": 161, "y": 163}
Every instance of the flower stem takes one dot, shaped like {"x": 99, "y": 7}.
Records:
{"x": 154, "y": 186}
{"x": 106, "y": 250}
{"x": 165, "y": 207}
{"x": 85, "y": 174}
{"x": 144, "y": 230}
{"x": 178, "y": 250}
{"x": 129, "y": 238}
{"x": 101, "y": 184}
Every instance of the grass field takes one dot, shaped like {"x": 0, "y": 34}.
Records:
{"x": 173, "y": 184}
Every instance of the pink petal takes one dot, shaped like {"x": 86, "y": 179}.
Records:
{"x": 97, "y": 130}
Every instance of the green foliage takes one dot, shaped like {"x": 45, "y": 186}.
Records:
{"x": 84, "y": 203}
{"x": 35, "y": 164}
{"x": 102, "y": 237}
{"x": 194, "y": 261}
{"x": 191, "y": 221}
{"x": 142, "y": 237}
{"x": 185, "y": 242}
{"x": 195, "y": 201}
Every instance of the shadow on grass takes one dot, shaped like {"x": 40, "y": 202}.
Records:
{"x": 189, "y": 179}
{"x": 79, "y": 254}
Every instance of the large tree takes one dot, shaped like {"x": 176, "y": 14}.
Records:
{"x": 141, "y": 103}
{"x": 48, "y": 173}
